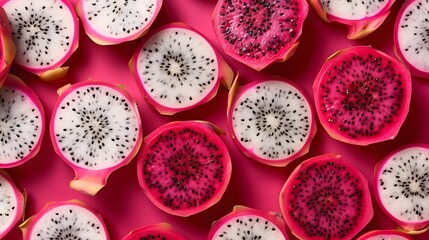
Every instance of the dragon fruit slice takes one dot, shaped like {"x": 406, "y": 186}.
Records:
{"x": 7, "y": 47}
{"x": 362, "y": 17}
{"x": 362, "y": 95}
{"x": 96, "y": 129}
{"x": 184, "y": 167}
{"x": 411, "y": 36}
{"x": 45, "y": 34}
{"x": 65, "y": 220}
{"x": 160, "y": 231}
{"x": 22, "y": 123}
{"x": 114, "y": 22}
{"x": 326, "y": 198}
{"x": 271, "y": 121}
{"x": 402, "y": 189}
{"x": 384, "y": 235}
{"x": 12, "y": 203}
{"x": 248, "y": 223}
{"x": 178, "y": 69}
{"x": 259, "y": 33}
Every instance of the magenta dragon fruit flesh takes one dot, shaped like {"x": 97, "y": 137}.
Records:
{"x": 161, "y": 231}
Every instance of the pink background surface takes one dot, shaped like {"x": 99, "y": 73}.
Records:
{"x": 122, "y": 203}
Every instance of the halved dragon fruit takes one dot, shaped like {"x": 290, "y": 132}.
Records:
{"x": 271, "y": 121}
{"x": 362, "y": 17}
{"x": 96, "y": 129}
{"x": 65, "y": 220}
{"x": 402, "y": 189}
{"x": 45, "y": 33}
{"x": 178, "y": 69}
{"x": 12, "y": 203}
{"x": 7, "y": 47}
{"x": 159, "y": 231}
{"x": 184, "y": 167}
{"x": 114, "y": 22}
{"x": 248, "y": 223}
{"x": 259, "y": 33}
{"x": 362, "y": 95}
{"x": 326, "y": 198}
{"x": 22, "y": 123}
{"x": 411, "y": 36}
{"x": 385, "y": 235}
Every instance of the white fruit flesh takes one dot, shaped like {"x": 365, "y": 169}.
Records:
{"x": 8, "y": 204}
{"x": 353, "y": 9}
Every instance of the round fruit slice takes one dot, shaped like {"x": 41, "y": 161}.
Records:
{"x": 248, "y": 223}
{"x": 45, "y": 33}
{"x": 259, "y": 33}
{"x": 411, "y": 36}
{"x": 22, "y": 123}
{"x": 7, "y": 47}
{"x": 96, "y": 129}
{"x": 326, "y": 198}
{"x": 403, "y": 187}
{"x": 159, "y": 231}
{"x": 362, "y": 17}
{"x": 362, "y": 95}
{"x": 184, "y": 167}
{"x": 12, "y": 203}
{"x": 114, "y": 22}
{"x": 271, "y": 121}
{"x": 384, "y": 235}
{"x": 65, "y": 220}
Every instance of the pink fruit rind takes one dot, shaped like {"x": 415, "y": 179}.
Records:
{"x": 205, "y": 127}
{"x": 105, "y": 40}
{"x": 356, "y": 28}
{"x": 160, "y": 228}
{"x": 284, "y": 54}
{"x": 239, "y": 211}
{"x": 7, "y": 47}
{"x": 388, "y": 133}
{"x": 409, "y": 227}
{"x": 367, "y": 210}
{"x": 20, "y": 197}
{"x": 28, "y": 225}
{"x": 91, "y": 181}
{"x": 234, "y": 94}
{"x": 392, "y": 233}
{"x": 414, "y": 71}
{"x": 224, "y": 77}
{"x": 16, "y": 83}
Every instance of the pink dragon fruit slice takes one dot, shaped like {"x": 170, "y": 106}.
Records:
{"x": 45, "y": 34}
{"x": 271, "y": 121}
{"x": 184, "y": 167}
{"x": 22, "y": 123}
{"x": 248, "y": 223}
{"x": 65, "y": 220}
{"x": 362, "y": 95}
{"x": 411, "y": 36}
{"x": 385, "y": 235}
{"x": 114, "y": 22}
{"x": 7, "y": 47}
{"x": 96, "y": 129}
{"x": 402, "y": 189}
{"x": 326, "y": 198}
{"x": 362, "y": 17}
{"x": 160, "y": 231}
{"x": 178, "y": 69}
{"x": 259, "y": 33}
{"x": 12, "y": 203}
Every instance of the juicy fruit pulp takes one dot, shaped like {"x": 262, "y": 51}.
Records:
{"x": 326, "y": 198}
{"x": 114, "y": 22}
{"x": 184, "y": 167}
{"x": 384, "y": 235}
{"x": 45, "y": 34}
{"x": 22, "y": 123}
{"x": 271, "y": 121}
{"x": 65, "y": 220}
{"x": 161, "y": 231}
{"x": 411, "y": 36}
{"x": 362, "y": 95}
{"x": 258, "y": 33}
{"x": 11, "y": 204}
{"x": 96, "y": 129}
{"x": 403, "y": 186}
{"x": 178, "y": 69}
